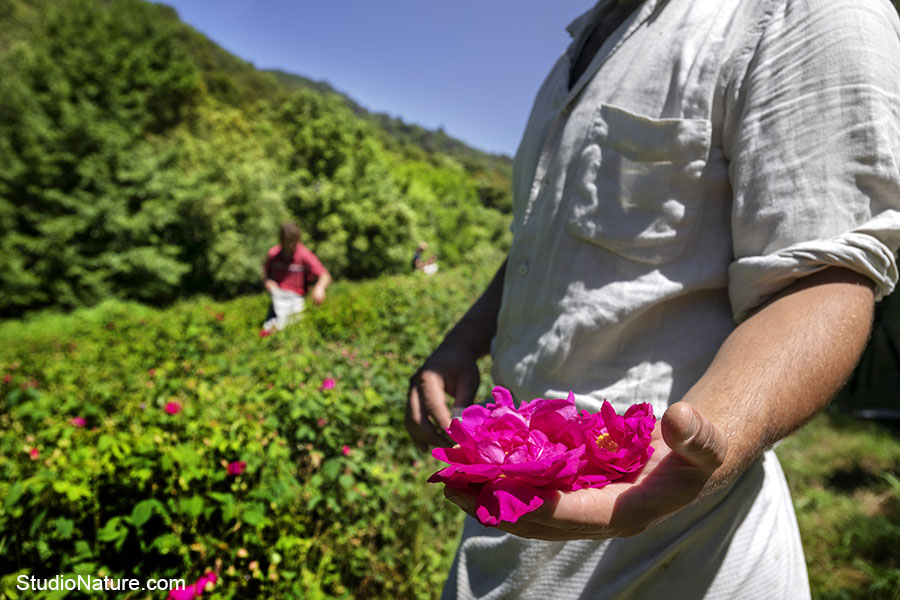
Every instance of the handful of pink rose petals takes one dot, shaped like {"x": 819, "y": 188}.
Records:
{"x": 516, "y": 458}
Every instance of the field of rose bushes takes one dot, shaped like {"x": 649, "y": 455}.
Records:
{"x": 170, "y": 443}
{"x": 145, "y": 443}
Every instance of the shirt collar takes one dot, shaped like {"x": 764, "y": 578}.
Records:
{"x": 577, "y": 27}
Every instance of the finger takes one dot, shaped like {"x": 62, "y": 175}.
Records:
{"x": 528, "y": 525}
{"x": 434, "y": 402}
{"x": 413, "y": 417}
{"x": 420, "y": 428}
{"x": 551, "y": 534}
{"x": 467, "y": 502}
{"x": 693, "y": 437}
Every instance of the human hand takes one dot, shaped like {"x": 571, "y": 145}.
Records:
{"x": 318, "y": 296}
{"x": 688, "y": 448}
{"x": 271, "y": 285}
{"x": 451, "y": 369}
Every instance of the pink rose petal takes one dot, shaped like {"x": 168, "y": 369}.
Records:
{"x": 514, "y": 458}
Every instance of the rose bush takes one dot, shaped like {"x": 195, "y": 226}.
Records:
{"x": 279, "y": 485}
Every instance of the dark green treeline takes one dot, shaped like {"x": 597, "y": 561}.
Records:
{"x": 140, "y": 160}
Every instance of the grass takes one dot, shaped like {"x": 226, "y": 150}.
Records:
{"x": 844, "y": 476}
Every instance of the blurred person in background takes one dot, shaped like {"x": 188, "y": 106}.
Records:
{"x": 420, "y": 263}
{"x": 289, "y": 269}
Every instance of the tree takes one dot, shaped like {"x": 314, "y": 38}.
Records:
{"x": 84, "y": 93}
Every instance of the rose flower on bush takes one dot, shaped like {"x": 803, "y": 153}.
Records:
{"x": 516, "y": 458}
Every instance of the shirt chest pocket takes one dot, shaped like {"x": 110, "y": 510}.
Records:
{"x": 638, "y": 186}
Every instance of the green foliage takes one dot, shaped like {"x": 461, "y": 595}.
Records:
{"x": 140, "y": 160}
{"x": 844, "y": 476}
{"x": 226, "y": 187}
{"x": 333, "y": 501}
{"x": 75, "y": 156}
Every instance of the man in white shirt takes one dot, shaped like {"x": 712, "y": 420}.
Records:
{"x": 705, "y": 207}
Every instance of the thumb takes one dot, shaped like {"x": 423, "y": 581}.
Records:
{"x": 693, "y": 437}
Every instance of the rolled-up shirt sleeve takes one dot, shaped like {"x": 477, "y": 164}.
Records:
{"x": 813, "y": 139}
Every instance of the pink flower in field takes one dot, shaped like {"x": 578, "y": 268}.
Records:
{"x": 173, "y": 408}
{"x": 516, "y": 458}
{"x": 264, "y": 333}
{"x": 204, "y": 584}
{"x": 321, "y": 422}
{"x": 34, "y": 454}
{"x": 7, "y": 378}
{"x": 327, "y": 384}
{"x": 187, "y": 593}
{"x": 236, "y": 467}
{"x": 78, "y": 421}
{"x": 151, "y": 372}
{"x": 346, "y": 450}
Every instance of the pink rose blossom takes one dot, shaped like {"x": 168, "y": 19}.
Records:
{"x": 237, "y": 467}
{"x": 173, "y": 408}
{"x": 187, "y": 593}
{"x": 516, "y": 458}
{"x": 327, "y": 384}
{"x": 78, "y": 421}
{"x": 346, "y": 450}
{"x": 34, "y": 453}
{"x": 205, "y": 583}
{"x": 321, "y": 422}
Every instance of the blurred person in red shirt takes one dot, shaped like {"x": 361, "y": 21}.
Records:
{"x": 289, "y": 269}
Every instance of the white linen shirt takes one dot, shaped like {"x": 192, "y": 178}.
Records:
{"x": 712, "y": 153}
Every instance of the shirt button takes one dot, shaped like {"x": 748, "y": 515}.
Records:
{"x": 523, "y": 268}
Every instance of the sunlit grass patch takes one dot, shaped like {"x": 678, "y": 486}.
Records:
{"x": 844, "y": 475}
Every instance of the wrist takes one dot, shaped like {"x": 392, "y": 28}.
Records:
{"x": 456, "y": 343}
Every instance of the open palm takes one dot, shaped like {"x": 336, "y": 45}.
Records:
{"x": 688, "y": 448}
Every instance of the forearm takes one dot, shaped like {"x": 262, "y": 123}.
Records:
{"x": 479, "y": 325}
{"x": 452, "y": 369}
{"x": 783, "y": 364}
{"x": 322, "y": 283}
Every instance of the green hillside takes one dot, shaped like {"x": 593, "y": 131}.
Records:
{"x": 139, "y": 160}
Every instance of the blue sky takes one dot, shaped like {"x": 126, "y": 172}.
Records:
{"x": 472, "y": 67}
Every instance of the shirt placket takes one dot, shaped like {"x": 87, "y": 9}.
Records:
{"x": 564, "y": 103}
{"x": 520, "y": 261}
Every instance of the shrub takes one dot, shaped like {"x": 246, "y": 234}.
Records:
{"x": 144, "y": 443}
